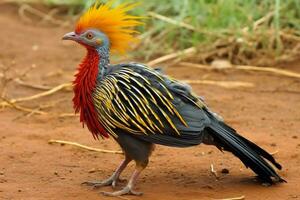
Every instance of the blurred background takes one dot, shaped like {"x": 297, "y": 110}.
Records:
{"x": 243, "y": 32}
{"x": 242, "y": 56}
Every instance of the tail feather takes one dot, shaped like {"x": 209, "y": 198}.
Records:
{"x": 248, "y": 152}
{"x": 254, "y": 147}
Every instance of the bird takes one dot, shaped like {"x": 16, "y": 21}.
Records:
{"x": 140, "y": 107}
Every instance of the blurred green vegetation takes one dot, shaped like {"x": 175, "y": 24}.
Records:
{"x": 249, "y": 27}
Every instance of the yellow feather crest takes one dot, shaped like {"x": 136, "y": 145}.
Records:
{"x": 115, "y": 22}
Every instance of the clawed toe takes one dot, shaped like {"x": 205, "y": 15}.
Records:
{"x": 135, "y": 193}
{"x": 124, "y": 191}
{"x": 97, "y": 184}
{"x": 114, "y": 179}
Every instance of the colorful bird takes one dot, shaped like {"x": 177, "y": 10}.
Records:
{"x": 138, "y": 106}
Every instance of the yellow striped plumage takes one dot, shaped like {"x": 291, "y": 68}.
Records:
{"x": 127, "y": 100}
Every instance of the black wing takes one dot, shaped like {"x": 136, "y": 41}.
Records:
{"x": 135, "y": 99}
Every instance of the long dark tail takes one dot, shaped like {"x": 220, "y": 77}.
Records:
{"x": 226, "y": 138}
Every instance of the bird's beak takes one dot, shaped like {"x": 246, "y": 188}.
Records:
{"x": 70, "y": 36}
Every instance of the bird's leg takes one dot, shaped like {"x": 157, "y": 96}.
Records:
{"x": 128, "y": 189}
{"x": 113, "y": 179}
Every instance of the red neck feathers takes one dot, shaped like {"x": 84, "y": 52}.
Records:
{"x": 84, "y": 85}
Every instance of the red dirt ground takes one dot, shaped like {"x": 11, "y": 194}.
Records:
{"x": 30, "y": 168}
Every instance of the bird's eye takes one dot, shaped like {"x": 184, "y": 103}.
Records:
{"x": 89, "y": 36}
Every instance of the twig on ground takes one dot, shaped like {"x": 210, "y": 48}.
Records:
{"x": 34, "y": 86}
{"x": 246, "y": 67}
{"x": 43, "y": 94}
{"x": 275, "y": 152}
{"x": 12, "y": 102}
{"x": 185, "y": 52}
{"x": 5, "y": 79}
{"x": 84, "y": 147}
{"x": 213, "y": 172}
{"x": 195, "y": 65}
{"x": 234, "y": 198}
{"x": 28, "y": 111}
{"x": 269, "y": 69}
{"x": 67, "y": 115}
{"x": 225, "y": 84}
{"x": 21, "y": 108}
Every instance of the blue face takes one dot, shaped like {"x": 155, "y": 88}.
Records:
{"x": 90, "y": 37}
{"x": 94, "y": 38}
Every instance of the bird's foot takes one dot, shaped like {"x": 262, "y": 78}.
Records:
{"x": 110, "y": 181}
{"x": 126, "y": 190}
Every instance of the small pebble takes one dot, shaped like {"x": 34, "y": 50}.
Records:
{"x": 295, "y": 137}
{"x": 273, "y": 144}
{"x": 93, "y": 170}
{"x": 294, "y": 156}
{"x": 35, "y": 47}
{"x": 225, "y": 171}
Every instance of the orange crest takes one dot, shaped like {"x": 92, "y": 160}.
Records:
{"x": 115, "y": 22}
